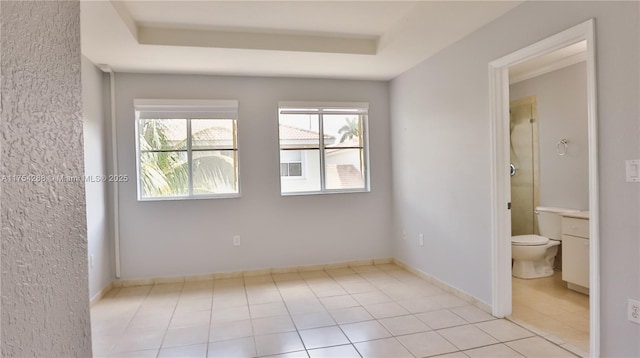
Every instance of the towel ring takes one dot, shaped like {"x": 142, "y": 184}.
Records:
{"x": 562, "y": 146}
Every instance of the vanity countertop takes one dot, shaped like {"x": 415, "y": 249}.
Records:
{"x": 577, "y": 215}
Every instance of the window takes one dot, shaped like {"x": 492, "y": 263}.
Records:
{"x": 323, "y": 147}
{"x": 291, "y": 164}
{"x": 186, "y": 149}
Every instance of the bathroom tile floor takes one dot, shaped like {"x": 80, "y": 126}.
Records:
{"x": 365, "y": 311}
{"x": 548, "y": 307}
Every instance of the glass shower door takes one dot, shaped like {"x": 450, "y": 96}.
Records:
{"x": 524, "y": 148}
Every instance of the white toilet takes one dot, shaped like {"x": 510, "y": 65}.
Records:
{"x": 533, "y": 255}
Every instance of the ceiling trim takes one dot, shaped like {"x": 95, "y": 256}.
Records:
{"x": 361, "y": 45}
{"x": 347, "y": 39}
{"x": 150, "y": 34}
{"x": 126, "y": 17}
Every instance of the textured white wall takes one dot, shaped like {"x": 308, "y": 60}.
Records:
{"x": 441, "y": 154}
{"x": 95, "y": 135}
{"x": 45, "y": 307}
{"x": 562, "y": 113}
{"x": 183, "y": 237}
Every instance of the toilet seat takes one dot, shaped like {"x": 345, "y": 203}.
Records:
{"x": 529, "y": 240}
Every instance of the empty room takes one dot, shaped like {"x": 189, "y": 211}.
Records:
{"x": 320, "y": 178}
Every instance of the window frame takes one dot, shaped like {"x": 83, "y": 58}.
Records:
{"x": 188, "y": 110}
{"x": 329, "y": 108}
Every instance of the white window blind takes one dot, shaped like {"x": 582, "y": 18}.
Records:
{"x": 194, "y": 109}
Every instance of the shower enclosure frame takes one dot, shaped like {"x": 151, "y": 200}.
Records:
{"x": 501, "y": 188}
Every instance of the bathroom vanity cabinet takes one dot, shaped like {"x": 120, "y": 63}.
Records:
{"x": 575, "y": 251}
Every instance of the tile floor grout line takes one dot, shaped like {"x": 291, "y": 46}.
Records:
{"x": 326, "y": 309}
{"x": 374, "y": 318}
{"x": 170, "y": 319}
{"x": 351, "y": 343}
{"x": 253, "y": 335}
{"x": 213, "y": 288}
{"x": 545, "y": 336}
{"x": 537, "y": 335}
{"x": 132, "y": 317}
{"x": 292, "y": 322}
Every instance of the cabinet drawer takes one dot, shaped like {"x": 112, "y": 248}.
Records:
{"x": 575, "y": 227}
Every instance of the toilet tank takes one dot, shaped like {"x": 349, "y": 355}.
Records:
{"x": 550, "y": 221}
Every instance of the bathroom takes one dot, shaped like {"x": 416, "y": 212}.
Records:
{"x": 550, "y": 182}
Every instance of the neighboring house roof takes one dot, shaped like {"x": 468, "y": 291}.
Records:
{"x": 343, "y": 176}
{"x": 213, "y": 134}
{"x": 294, "y": 133}
{"x": 202, "y": 131}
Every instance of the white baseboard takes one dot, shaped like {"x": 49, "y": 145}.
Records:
{"x": 280, "y": 270}
{"x": 98, "y": 296}
{"x": 249, "y": 273}
{"x": 445, "y": 286}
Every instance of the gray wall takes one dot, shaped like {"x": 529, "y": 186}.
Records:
{"x": 95, "y": 134}
{"x": 562, "y": 113}
{"x": 186, "y": 237}
{"x": 441, "y": 155}
{"x": 45, "y": 306}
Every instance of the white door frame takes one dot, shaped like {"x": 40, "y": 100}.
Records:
{"x": 501, "y": 189}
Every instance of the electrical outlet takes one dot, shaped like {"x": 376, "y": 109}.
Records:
{"x": 90, "y": 261}
{"x": 404, "y": 235}
{"x": 633, "y": 311}
{"x": 421, "y": 239}
{"x": 236, "y": 240}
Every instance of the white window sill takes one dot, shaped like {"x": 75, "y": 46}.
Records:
{"x": 199, "y": 197}
{"x": 342, "y": 191}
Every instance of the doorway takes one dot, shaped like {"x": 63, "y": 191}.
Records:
{"x": 501, "y": 180}
{"x": 550, "y": 304}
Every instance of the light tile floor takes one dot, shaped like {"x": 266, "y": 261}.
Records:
{"x": 547, "y": 306}
{"x": 366, "y": 311}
